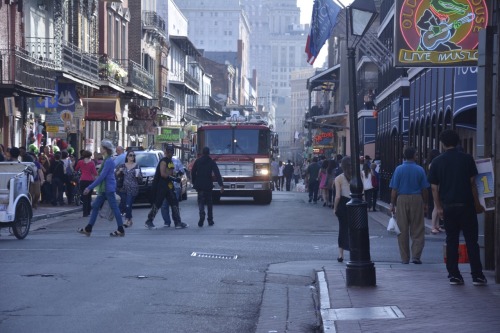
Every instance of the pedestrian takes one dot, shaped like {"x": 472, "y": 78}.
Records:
{"x": 13, "y": 154}
{"x": 163, "y": 188}
{"x": 69, "y": 169}
{"x": 409, "y": 201}
{"x": 88, "y": 174}
{"x": 452, "y": 177}
{"x": 281, "y": 177}
{"x": 323, "y": 182}
{"x": 179, "y": 170}
{"x": 36, "y": 184}
{"x": 201, "y": 174}
{"x": 375, "y": 183}
{"x": 366, "y": 178}
{"x": 46, "y": 186}
{"x": 288, "y": 173}
{"x": 296, "y": 173}
{"x": 2, "y": 153}
{"x": 57, "y": 179}
{"x": 25, "y": 157}
{"x": 342, "y": 197}
{"x": 312, "y": 177}
{"x": 436, "y": 227}
{"x": 105, "y": 184}
{"x": 131, "y": 177}
{"x": 120, "y": 157}
{"x": 275, "y": 174}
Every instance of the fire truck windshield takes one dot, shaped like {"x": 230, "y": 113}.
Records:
{"x": 237, "y": 141}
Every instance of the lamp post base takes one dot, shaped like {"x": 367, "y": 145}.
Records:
{"x": 360, "y": 274}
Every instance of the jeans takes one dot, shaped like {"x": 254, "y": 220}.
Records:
{"x": 86, "y": 199}
{"x": 96, "y": 205}
{"x": 169, "y": 196}
{"x": 205, "y": 198}
{"x": 165, "y": 214}
{"x": 313, "y": 190}
{"x": 126, "y": 201}
{"x": 57, "y": 191}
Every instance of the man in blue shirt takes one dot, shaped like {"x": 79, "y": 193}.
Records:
{"x": 409, "y": 194}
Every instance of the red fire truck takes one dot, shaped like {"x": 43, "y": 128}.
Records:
{"x": 242, "y": 148}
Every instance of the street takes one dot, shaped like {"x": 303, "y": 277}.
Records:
{"x": 57, "y": 280}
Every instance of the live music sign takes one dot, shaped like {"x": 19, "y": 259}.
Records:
{"x": 438, "y": 33}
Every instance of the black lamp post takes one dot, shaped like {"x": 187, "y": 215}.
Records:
{"x": 360, "y": 269}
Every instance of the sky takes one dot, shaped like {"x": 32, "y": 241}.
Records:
{"x": 305, "y": 18}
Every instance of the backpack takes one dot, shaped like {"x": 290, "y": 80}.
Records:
{"x": 374, "y": 181}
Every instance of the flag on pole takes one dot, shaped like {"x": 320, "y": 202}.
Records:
{"x": 324, "y": 17}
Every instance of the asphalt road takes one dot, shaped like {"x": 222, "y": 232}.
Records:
{"x": 57, "y": 280}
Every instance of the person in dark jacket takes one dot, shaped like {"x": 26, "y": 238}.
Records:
{"x": 288, "y": 173}
{"x": 201, "y": 176}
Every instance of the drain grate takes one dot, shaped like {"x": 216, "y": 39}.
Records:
{"x": 213, "y": 255}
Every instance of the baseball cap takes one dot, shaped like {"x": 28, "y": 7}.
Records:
{"x": 169, "y": 147}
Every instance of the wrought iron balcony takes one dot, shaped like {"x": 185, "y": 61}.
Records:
{"x": 153, "y": 22}
{"x": 140, "y": 79}
{"x": 79, "y": 63}
{"x": 191, "y": 82}
{"x": 113, "y": 71}
{"x": 168, "y": 102}
{"x": 18, "y": 69}
{"x": 40, "y": 48}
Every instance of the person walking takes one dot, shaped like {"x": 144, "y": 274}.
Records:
{"x": 281, "y": 177}
{"x": 201, "y": 175}
{"x": 121, "y": 156}
{"x": 323, "y": 182}
{"x": 366, "y": 178}
{"x": 452, "y": 177}
{"x": 131, "y": 174}
{"x": 342, "y": 197}
{"x": 275, "y": 169}
{"x": 409, "y": 201}
{"x": 179, "y": 170}
{"x": 88, "y": 174}
{"x": 163, "y": 188}
{"x": 436, "y": 228}
{"x": 375, "y": 183}
{"x": 68, "y": 176}
{"x": 106, "y": 188}
{"x": 46, "y": 186}
{"x": 312, "y": 177}
{"x": 57, "y": 172}
{"x": 288, "y": 173}
{"x": 296, "y": 173}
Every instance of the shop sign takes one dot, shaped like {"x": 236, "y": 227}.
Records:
{"x": 438, "y": 33}
{"x": 169, "y": 134}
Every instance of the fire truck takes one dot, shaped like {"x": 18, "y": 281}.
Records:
{"x": 242, "y": 147}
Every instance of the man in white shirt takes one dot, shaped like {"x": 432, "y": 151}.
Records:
{"x": 120, "y": 156}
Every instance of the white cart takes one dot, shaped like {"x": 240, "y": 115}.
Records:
{"x": 15, "y": 199}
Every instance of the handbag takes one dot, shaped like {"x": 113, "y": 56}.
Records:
{"x": 120, "y": 178}
{"x": 106, "y": 212}
{"x": 392, "y": 227}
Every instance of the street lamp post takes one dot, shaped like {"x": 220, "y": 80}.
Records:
{"x": 360, "y": 270}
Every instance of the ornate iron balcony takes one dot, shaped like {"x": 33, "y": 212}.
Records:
{"x": 113, "y": 71}
{"x": 19, "y": 68}
{"x": 191, "y": 82}
{"x": 140, "y": 79}
{"x": 153, "y": 21}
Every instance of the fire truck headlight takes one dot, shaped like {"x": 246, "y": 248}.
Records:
{"x": 261, "y": 170}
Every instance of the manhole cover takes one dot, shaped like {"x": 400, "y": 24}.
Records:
{"x": 213, "y": 255}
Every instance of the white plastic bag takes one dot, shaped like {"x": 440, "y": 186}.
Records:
{"x": 106, "y": 212}
{"x": 392, "y": 227}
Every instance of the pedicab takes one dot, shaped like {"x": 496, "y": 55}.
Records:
{"x": 15, "y": 198}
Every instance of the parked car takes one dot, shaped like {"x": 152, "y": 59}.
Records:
{"x": 148, "y": 161}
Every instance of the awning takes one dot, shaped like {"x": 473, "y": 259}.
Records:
{"x": 104, "y": 109}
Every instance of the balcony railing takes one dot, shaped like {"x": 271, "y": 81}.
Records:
{"x": 40, "y": 48}
{"x": 153, "y": 21}
{"x": 139, "y": 78}
{"x": 114, "y": 71}
{"x": 168, "y": 102}
{"x": 79, "y": 63}
{"x": 191, "y": 81}
{"x": 18, "y": 67}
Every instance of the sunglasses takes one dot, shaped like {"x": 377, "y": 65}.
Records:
{"x": 131, "y": 155}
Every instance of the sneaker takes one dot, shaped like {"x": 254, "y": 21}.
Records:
{"x": 211, "y": 223}
{"x": 166, "y": 225}
{"x": 417, "y": 262}
{"x": 149, "y": 225}
{"x": 479, "y": 281}
{"x": 456, "y": 280}
{"x": 200, "y": 223}
{"x": 181, "y": 226}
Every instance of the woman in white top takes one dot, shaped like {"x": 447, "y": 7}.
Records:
{"x": 366, "y": 178}
{"x": 281, "y": 177}
{"x": 342, "y": 196}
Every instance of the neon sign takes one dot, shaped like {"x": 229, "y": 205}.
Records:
{"x": 438, "y": 33}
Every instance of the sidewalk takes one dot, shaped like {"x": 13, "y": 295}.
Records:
{"x": 407, "y": 298}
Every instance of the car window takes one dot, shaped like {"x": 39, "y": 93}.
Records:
{"x": 147, "y": 159}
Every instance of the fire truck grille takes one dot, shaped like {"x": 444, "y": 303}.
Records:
{"x": 236, "y": 169}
